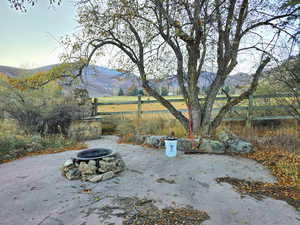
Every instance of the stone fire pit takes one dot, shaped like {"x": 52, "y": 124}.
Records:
{"x": 93, "y": 165}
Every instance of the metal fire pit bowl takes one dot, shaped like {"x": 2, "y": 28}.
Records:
{"x": 94, "y": 154}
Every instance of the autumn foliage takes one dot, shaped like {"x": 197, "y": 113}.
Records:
{"x": 61, "y": 72}
{"x": 285, "y": 166}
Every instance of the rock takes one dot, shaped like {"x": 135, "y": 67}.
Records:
{"x": 117, "y": 155}
{"x": 95, "y": 178}
{"x": 101, "y": 177}
{"x": 92, "y": 163}
{"x": 140, "y": 139}
{"x": 108, "y": 159}
{"x": 68, "y": 163}
{"x": 66, "y": 169}
{"x": 120, "y": 166}
{"x": 108, "y": 175}
{"x": 184, "y": 144}
{"x": 155, "y": 141}
{"x": 240, "y": 146}
{"x": 107, "y": 166}
{"x": 234, "y": 144}
{"x": 85, "y": 169}
{"x": 211, "y": 146}
{"x": 73, "y": 174}
{"x": 226, "y": 136}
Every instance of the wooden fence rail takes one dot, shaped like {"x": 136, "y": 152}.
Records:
{"x": 182, "y": 100}
{"x": 250, "y": 108}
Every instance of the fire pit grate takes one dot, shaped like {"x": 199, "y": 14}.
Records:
{"x": 93, "y": 154}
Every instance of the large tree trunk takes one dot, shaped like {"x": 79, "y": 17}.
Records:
{"x": 210, "y": 100}
{"x": 193, "y": 104}
{"x": 195, "y": 114}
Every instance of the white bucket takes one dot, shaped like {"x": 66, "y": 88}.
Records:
{"x": 171, "y": 147}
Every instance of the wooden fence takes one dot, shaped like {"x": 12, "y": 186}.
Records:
{"x": 249, "y": 108}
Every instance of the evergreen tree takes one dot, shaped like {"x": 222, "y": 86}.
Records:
{"x": 133, "y": 91}
{"x": 141, "y": 92}
{"x": 121, "y": 92}
{"x": 164, "y": 91}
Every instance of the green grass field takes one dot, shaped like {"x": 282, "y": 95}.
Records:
{"x": 157, "y": 106}
{"x": 265, "y": 106}
{"x": 131, "y": 98}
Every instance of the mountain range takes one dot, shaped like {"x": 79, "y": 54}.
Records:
{"x": 101, "y": 81}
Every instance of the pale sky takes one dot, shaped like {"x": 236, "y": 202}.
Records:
{"x": 30, "y": 39}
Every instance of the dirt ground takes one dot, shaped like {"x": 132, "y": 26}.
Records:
{"x": 33, "y": 192}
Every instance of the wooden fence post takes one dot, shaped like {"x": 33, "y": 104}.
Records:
{"x": 139, "y": 111}
{"x": 95, "y": 111}
{"x": 139, "y": 107}
{"x": 2, "y": 115}
{"x": 249, "y": 112}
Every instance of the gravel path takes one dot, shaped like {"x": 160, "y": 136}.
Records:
{"x": 33, "y": 192}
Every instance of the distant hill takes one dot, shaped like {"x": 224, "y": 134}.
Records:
{"x": 12, "y": 71}
{"x": 101, "y": 81}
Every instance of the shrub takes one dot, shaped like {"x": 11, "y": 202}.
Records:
{"x": 56, "y": 141}
{"x": 125, "y": 127}
{"x": 85, "y": 130}
{"x": 284, "y": 136}
{"x": 15, "y": 146}
{"x": 149, "y": 124}
{"x": 44, "y": 110}
{"x": 8, "y": 143}
{"x": 109, "y": 124}
{"x": 152, "y": 126}
{"x": 14, "y": 143}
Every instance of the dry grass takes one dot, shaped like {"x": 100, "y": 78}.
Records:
{"x": 177, "y": 105}
{"x": 283, "y": 135}
{"x": 131, "y": 98}
{"x": 145, "y": 106}
{"x": 9, "y": 127}
{"x": 85, "y": 130}
{"x": 14, "y": 144}
{"x": 133, "y": 107}
{"x": 154, "y": 124}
